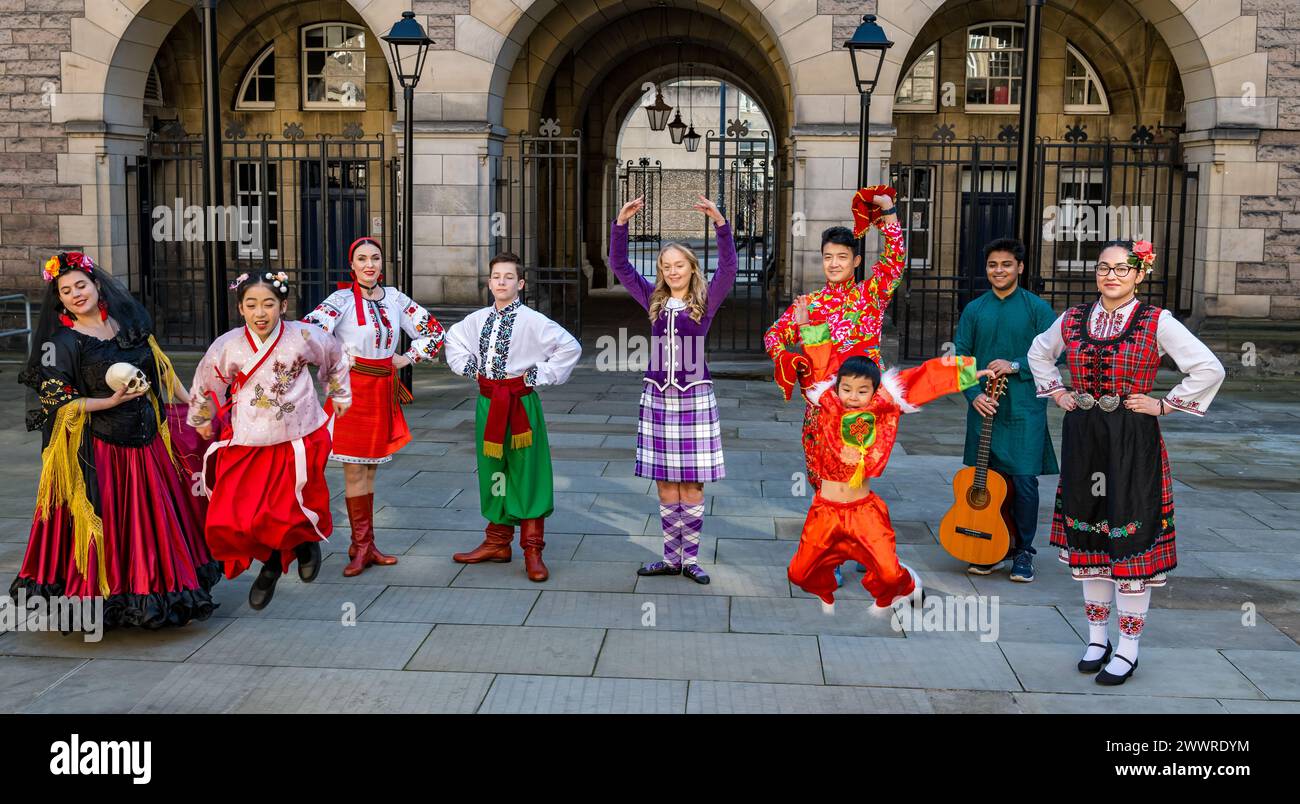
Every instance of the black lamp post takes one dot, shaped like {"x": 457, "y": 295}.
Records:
{"x": 677, "y": 129}
{"x": 867, "y": 48}
{"x": 409, "y": 44}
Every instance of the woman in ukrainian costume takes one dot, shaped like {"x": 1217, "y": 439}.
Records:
{"x": 366, "y": 316}
{"x": 265, "y": 472}
{"x": 115, "y": 517}
{"x": 1114, "y": 519}
{"x": 679, "y": 439}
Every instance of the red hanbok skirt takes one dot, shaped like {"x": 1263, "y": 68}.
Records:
{"x": 158, "y": 566}
{"x": 373, "y": 429}
{"x": 268, "y": 498}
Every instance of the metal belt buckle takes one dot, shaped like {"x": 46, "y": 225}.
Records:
{"x": 1085, "y": 401}
{"x": 1109, "y": 402}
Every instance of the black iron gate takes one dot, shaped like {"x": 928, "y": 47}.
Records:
{"x": 638, "y": 178}
{"x": 954, "y": 197}
{"x": 293, "y": 205}
{"x": 741, "y": 177}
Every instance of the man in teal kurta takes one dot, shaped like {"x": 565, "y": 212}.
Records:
{"x": 997, "y": 328}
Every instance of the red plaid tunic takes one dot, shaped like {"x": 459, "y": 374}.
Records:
{"x": 1123, "y": 364}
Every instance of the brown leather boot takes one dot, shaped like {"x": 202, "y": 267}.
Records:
{"x": 495, "y": 546}
{"x": 530, "y": 538}
{"x": 362, "y": 535}
{"x": 376, "y": 557}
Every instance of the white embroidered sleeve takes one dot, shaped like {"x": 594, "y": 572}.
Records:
{"x": 461, "y": 348}
{"x": 561, "y": 352}
{"x": 1043, "y": 352}
{"x": 1203, "y": 372}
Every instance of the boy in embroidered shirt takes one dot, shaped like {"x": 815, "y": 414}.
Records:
{"x": 858, "y": 418}
{"x": 510, "y": 349}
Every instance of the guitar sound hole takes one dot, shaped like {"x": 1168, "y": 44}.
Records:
{"x": 977, "y": 498}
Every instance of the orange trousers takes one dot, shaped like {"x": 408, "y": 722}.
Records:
{"x": 836, "y": 532}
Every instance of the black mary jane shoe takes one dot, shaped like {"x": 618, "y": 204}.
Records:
{"x": 659, "y": 568}
{"x": 1112, "y": 680}
{"x": 263, "y": 588}
{"x": 1093, "y": 665}
{"x": 308, "y": 554}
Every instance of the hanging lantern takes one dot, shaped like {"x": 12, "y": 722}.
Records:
{"x": 658, "y": 112}
{"x": 677, "y": 129}
{"x": 692, "y": 140}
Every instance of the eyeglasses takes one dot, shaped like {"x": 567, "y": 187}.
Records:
{"x": 1121, "y": 270}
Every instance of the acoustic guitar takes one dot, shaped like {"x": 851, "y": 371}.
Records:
{"x": 975, "y": 529}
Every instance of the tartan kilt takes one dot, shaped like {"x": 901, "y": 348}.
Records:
{"x": 1126, "y": 533}
{"x": 678, "y": 437}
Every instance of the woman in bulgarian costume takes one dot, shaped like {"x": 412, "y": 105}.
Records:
{"x": 858, "y": 414}
{"x": 679, "y": 439}
{"x": 1114, "y": 519}
{"x": 268, "y": 498}
{"x": 366, "y": 317}
{"x": 115, "y": 517}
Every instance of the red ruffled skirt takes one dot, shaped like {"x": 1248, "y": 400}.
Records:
{"x": 268, "y": 498}
{"x": 373, "y": 429}
{"x": 158, "y": 566}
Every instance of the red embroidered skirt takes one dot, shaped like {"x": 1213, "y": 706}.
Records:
{"x": 268, "y": 498}
{"x": 373, "y": 429}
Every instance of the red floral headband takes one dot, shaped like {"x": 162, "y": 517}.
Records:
{"x": 66, "y": 261}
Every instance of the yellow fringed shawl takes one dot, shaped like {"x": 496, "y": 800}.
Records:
{"x": 167, "y": 377}
{"x": 62, "y": 483}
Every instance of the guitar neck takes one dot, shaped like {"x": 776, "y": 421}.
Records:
{"x": 986, "y": 439}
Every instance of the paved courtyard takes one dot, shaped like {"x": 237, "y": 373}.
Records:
{"x": 430, "y": 635}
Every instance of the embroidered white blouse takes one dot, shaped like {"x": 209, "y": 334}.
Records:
{"x": 1204, "y": 373}
{"x": 377, "y": 338}
{"x": 276, "y": 402}
{"x": 515, "y": 341}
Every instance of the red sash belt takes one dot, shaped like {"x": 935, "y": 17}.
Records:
{"x": 505, "y": 407}
{"x": 383, "y": 367}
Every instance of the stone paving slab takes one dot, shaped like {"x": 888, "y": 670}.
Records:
{"x": 1253, "y": 565}
{"x": 1271, "y": 541}
{"x": 559, "y": 546}
{"x": 720, "y": 697}
{"x": 1040, "y": 624}
{"x": 593, "y": 576}
{"x": 1261, "y": 707}
{"x": 756, "y": 551}
{"x": 410, "y": 570}
{"x": 1275, "y": 672}
{"x": 1044, "y": 703}
{"x": 780, "y": 615}
{"x": 567, "y": 695}
{"x": 394, "y": 541}
{"x": 306, "y": 643}
{"x": 518, "y": 649}
{"x": 1181, "y": 628}
{"x": 295, "y": 600}
{"x": 412, "y": 604}
{"x": 1169, "y": 672}
{"x": 718, "y": 657}
{"x": 207, "y": 688}
{"x": 170, "y": 644}
{"x": 23, "y": 678}
{"x": 699, "y": 613}
{"x": 99, "y": 686}
{"x": 937, "y": 664}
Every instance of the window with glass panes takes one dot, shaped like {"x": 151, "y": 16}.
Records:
{"x": 249, "y": 197}
{"x": 333, "y": 66}
{"x": 1079, "y": 232}
{"x": 916, "y": 92}
{"x": 1083, "y": 90}
{"x": 257, "y": 91}
{"x": 995, "y": 66}
{"x": 914, "y": 201}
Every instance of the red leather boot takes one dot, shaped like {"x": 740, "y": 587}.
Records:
{"x": 376, "y": 557}
{"x": 363, "y": 535}
{"x": 495, "y": 546}
{"x": 530, "y": 538}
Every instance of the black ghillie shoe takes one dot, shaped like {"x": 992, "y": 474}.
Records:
{"x": 1112, "y": 680}
{"x": 696, "y": 573}
{"x": 659, "y": 568}
{"x": 308, "y": 554}
{"x": 1093, "y": 665}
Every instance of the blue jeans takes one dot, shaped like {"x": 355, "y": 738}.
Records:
{"x": 1024, "y": 510}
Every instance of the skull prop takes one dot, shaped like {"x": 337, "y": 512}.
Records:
{"x": 125, "y": 375}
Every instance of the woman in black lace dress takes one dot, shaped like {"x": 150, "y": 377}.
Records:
{"x": 115, "y": 515}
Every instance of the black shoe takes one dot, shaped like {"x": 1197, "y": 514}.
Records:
{"x": 1111, "y": 680}
{"x": 659, "y": 568}
{"x": 263, "y": 588}
{"x": 1093, "y": 665}
{"x": 308, "y": 554}
{"x": 696, "y": 573}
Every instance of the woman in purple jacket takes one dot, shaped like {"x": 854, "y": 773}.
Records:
{"x": 678, "y": 441}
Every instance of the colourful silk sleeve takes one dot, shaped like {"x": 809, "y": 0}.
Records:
{"x": 937, "y": 377}
{"x": 819, "y": 348}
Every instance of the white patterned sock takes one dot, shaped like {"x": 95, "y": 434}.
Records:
{"x": 1098, "y": 598}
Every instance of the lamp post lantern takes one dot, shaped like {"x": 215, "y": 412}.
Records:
{"x": 867, "y": 48}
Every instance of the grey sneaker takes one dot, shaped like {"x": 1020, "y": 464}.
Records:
{"x": 1023, "y": 569}
{"x": 986, "y": 569}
